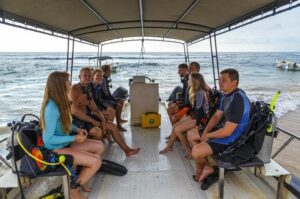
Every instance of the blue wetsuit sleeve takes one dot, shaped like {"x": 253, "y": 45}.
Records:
{"x": 51, "y": 118}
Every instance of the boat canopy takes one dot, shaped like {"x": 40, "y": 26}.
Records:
{"x": 98, "y": 21}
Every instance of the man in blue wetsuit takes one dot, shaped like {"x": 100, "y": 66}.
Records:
{"x": 235, "y": 107}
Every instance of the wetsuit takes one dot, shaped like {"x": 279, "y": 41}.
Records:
{"x": 236, "y": 107}
{"x": 96, "y": 91}
{"x": 107, "y": 99}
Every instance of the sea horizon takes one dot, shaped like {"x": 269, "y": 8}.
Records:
{"x": 23, "y": 75}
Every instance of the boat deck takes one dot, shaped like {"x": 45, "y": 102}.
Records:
{"x": 151, "y": 175}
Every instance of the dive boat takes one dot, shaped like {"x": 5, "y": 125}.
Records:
{"x": 287, "y": 65}
{"x": 108, "y": 60}
{"x": 150, "y": 175}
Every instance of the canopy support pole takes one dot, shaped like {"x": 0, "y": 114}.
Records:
{"x": 68, "y": 50}
{"x": 185, "y": 56}
{"x": 187, "y": 53}
{"x": 214, "y": 57}
{"x": 100, "y": 55}
{"x": 72, "y": 58}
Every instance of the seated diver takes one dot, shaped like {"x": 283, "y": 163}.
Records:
{"x": 183, "y": 74}
{"x": 178, "y": 109}
{"x": 107, "y": 98}
{"x": 56, "y": 126}
{"x": 86, "y": 114}
{"x": 108, "y": 112}
{"x": 198, "y": 94}
{"x": 235, "y": 107}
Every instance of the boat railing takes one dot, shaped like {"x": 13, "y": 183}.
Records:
{"x": 286, "y": 143}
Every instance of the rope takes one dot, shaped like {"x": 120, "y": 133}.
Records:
{"x": 62, "y": 158}
{"x": 142, "y": 52}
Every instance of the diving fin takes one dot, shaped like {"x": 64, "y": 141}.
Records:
{"x": 113, "y": 168}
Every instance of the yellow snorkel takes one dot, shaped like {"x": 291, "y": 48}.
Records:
{"x": 61, "y": 158}
{"x": 272, "y": 107}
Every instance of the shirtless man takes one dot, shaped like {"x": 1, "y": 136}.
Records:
{"x": 87, "y": 116}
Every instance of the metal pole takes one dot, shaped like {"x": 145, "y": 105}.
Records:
{"x": 283, "y": 146}
{"x": 185, "y": 57}
{"x": 97, "y": 56}
{"x": 221, "y": 183}
{"x": 67, "y": 65}
{"x": 212, "y": 60}
{"x": 216, "y": 49}
{"x": 73, "y": 43}
{"x": 187, "y": 52}
{"x": 100, "y": 55}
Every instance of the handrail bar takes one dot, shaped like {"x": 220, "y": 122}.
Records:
{"x": 288, "y": 133}
{"x": 293, "y": 136}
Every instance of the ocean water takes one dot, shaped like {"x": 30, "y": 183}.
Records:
{"x": 23, "y": 76}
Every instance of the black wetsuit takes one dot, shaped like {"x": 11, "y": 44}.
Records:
{"x": 107, "y": 99}
{"x": 96, "y": 91}
{"x": 185, "y": 87}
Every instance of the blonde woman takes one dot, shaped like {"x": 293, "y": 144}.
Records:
{"x": 198, "y": 113}
{"x": 56, "y": 123}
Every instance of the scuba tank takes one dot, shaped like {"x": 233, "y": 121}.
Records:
{"x": 15, "y": 151}
{"x": 265, "y": 154}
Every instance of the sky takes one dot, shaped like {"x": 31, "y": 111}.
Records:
{"x": 280, "y": 33}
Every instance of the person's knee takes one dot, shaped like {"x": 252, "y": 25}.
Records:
{"x": 100, "y": 148}
{"x": 197, "y": 153}
{"x": 96, "y": 132}
{"x": 97, "y": 162}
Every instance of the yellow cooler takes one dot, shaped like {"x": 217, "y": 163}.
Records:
{"x": 150, "y": 120}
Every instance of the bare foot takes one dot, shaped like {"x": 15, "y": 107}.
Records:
{"x": 206, "y": 172}
{"x": 196, "y": 177}
{"x": 198, "y": 173}
{"x": 122, "y": 129}
{"x": 132, "y": 152}
{"x": 75, "y": 194}
{"x": 86, "y": 188}
{"x": 165, "y": 150}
